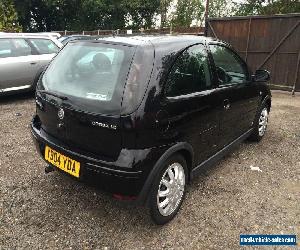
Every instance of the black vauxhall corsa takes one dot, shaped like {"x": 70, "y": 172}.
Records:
{"x": 144, "y": 115}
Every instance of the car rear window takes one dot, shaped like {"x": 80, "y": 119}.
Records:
{"x": 91, "y": 74}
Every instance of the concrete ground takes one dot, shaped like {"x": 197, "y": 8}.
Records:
{"x": 56, "y": 212}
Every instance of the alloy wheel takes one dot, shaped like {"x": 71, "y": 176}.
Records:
{"x": 263, "y": 122}
{"x": 171, "y": 189}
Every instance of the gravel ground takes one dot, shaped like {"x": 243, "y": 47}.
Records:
{"x": 55, "y": 212}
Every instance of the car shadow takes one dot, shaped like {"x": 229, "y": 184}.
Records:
{"x": 95, "y": 202}
{"x": 16, "y": 97}
{"x": 98, "y": 204}
{"x": 102, "y": 206}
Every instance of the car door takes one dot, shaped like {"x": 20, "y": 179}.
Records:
{"x": 46, "y": 49}
{"x": 191, "y": 103}
{"x": 240, "y": 96}
{"x": 18, "y": 65}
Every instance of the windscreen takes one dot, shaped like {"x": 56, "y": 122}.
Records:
{"x": 91, "y": 74}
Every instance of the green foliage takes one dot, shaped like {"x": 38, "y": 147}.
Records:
{"x": 8, "y": 17}
{"x": 163, "y": 9}
{"x": 220, "y": 8}
{"x": 267, "y": 7}
{"x": 141, "y": 12}
{"x": 186, "y": 12}
{"x": 77, "y": 15}
{"x": 249, "y": 7}
{"x": 47, "y": 15}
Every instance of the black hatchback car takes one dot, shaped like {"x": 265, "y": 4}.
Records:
{"x": 143, "y": 115}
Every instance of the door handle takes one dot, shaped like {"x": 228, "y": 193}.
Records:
{"x": 226, "y": 104}
{"x": 33, "y": 63}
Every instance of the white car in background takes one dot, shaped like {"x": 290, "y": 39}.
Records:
{"x": 23, "y": 57}
{"x": 53, "y": 35}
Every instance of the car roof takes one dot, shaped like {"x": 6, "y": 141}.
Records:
{"x": 162, "y": 39}
{"x": 164, "y": 45}
{"x": 156, "y": 40}
{"x": 22, "y": 35}
{"x": 17, "y": 35}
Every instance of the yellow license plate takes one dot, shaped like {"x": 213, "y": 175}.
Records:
{"x": 62, "y": 162}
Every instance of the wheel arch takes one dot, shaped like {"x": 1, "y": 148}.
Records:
{"x": 182, "y": 148}
{"x": 37, "y": 76}
{"x": 188, "y": 156}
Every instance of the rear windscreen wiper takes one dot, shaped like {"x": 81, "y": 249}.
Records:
{"x": 47, "y": 92}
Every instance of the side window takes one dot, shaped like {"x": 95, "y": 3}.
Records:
{"x": 230, "y": 69}
{"x": 44, "y": 46}
{"x": 190, "y": 73}
{"x": 20, "y": 47}
{"x": 6, "y": 48}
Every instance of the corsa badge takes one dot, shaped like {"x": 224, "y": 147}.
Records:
{"x": 61, "y": 114}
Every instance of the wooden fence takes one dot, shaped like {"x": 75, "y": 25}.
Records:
{"x": 269, "y": 42}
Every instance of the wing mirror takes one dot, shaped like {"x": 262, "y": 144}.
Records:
{"x": 261, "y": 75}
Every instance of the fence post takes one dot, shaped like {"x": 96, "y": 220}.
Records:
{"x": 248, "y": 38}
{"x": 212, "y": 29}
{"x": 296, "y": 74}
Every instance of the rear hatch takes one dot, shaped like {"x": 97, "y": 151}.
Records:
{"x": 80, "y": 96}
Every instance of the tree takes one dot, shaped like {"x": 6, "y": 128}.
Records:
{"x": 281, "y": 7}
{"x": 32, "y": 14}
{"x": 267, "y": 7}
{"x": 186, "y": 12}
{"x": 220, "y": 8}
{"x": 141, "y": 12}
{"x": 117, "y": 12}
{"x": 163, "y": 9}
{"x": 47, "y": 15}
{"x": 8, "y": 17}
{"x": 94, "y": 15}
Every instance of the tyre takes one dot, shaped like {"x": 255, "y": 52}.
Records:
{"x": 168, "y": 190}
{"x": 260, "y": 124}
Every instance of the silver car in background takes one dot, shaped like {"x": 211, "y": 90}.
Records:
{"x": 22, "y": 60}
{"x": 52, "y": 35}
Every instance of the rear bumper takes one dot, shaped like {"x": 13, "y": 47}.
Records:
{"x": 125, "y": 176}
